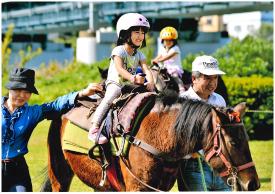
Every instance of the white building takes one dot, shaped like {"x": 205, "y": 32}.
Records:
{"x": 241, "y": 24}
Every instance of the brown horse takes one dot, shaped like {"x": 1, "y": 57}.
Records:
{"x": 172, "y": 130}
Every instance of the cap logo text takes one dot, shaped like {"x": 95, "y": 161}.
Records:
{"x": 213, "y": 65}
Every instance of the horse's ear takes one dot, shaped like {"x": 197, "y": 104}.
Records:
{"x": 99, "y": 69}
{"x": 103, "y": 72}
{"x": 240, "y": 108}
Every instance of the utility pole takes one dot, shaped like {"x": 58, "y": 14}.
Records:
{"x": 86, "y": 42}
{"x": 92, "y": 21}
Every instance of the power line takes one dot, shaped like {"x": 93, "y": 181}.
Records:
{"x": 261, "y": 111}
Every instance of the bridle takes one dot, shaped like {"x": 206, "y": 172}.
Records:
{"x": 216, "y": 150}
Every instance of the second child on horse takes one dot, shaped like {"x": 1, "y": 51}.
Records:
{"x": 170, "y": 55}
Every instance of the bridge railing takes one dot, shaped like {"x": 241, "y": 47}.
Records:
{"x": 77, "y": 12}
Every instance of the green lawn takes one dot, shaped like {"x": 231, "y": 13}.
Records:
{"x": 262, "y": 153}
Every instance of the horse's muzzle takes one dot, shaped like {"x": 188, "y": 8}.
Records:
{"x": 252, "y": 185}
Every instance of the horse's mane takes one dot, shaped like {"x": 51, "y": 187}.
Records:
{"x": 192, "y": 121}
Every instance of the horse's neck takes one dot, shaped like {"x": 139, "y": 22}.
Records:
{"x": 158, "y": 127}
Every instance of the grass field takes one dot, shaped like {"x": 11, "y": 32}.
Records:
{"x": 262, "y": 153}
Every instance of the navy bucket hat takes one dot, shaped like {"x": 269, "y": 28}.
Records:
{"x": 22, "y": 78}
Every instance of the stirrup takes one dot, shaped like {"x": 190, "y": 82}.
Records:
{"x": 102, "y": 162}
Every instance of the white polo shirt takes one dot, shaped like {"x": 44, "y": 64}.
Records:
{"x": 214, "y": 99}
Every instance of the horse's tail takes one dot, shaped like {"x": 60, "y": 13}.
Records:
{"x": 59, "y": 172}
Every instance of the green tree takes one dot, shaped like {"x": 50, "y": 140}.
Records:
{"x": 149, "y": 50}
{"x": 27, "y": 55}
{"x": 250, "y": 56}
{"x": 6, "y": 51}
{"x": 265, "y": 32}
{"x": 187, "y": 61}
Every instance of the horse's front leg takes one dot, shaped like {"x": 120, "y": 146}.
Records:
{"x": 87, "y": 170}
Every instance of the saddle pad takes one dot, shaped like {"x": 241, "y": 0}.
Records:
{"x": 130, "y": 111}
{"x": 79, "y": 116}
{"x": 76, "y": 139}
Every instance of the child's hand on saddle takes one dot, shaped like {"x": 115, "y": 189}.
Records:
{"x": 154, "y": 62}
{"x": 91, "y": 89}
{"x": 150, "y": 87}
{"x": 139, "y": 79}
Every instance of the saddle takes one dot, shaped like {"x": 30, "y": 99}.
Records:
{"x": 124, "y": 109}
{"x": 124, "y": 117}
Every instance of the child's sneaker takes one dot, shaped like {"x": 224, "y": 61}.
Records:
{"x": 93, "y": 135}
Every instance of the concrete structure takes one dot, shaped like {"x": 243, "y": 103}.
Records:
{"x": 85, "y": 47}
{"x": 36, "y": 17}
{"x": 238, "y": 25}
{"x": 71, "y": 17}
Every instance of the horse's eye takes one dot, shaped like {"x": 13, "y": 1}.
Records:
{"x": 233, "y": 143}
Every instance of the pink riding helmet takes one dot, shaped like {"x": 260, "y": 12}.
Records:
{"x": 129, "y": 20}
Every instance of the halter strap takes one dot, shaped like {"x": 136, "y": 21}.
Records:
{"x": 217, "y": 149}
{"x": 237, "y": 169}
{"x": 154, "y": 151}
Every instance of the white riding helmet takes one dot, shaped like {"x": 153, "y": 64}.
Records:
{"x": 129, "y": 20}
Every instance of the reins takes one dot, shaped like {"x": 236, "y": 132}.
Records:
{"x": 138, "y": 179}
{"x": 217, "y": 151}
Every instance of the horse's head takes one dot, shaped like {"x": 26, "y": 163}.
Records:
{"x": 227, "y": 149}
{"x": 164, "y": 82}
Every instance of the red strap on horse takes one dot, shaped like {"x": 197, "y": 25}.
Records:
{"x": 234, "y": 116}
{"x": 245, "y": 166}
{"x": 216, "y": 132}
{"x": 237, "y": 169}
{"x": 217, "y": 145}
